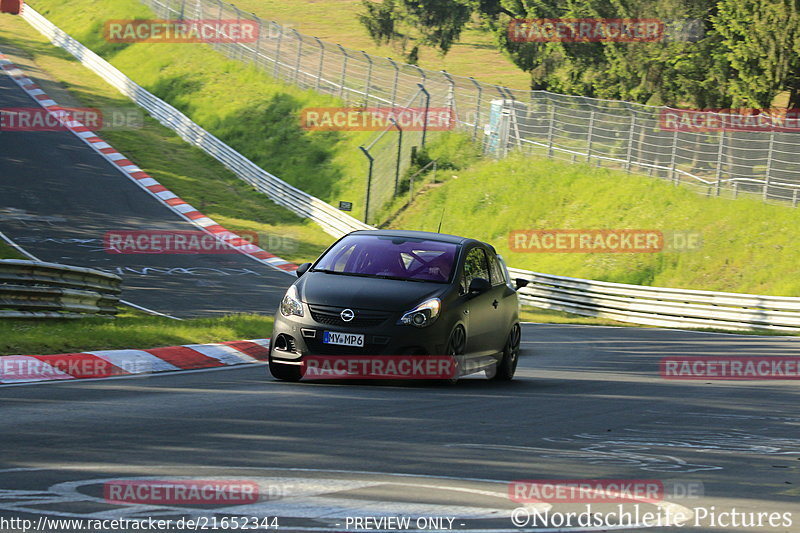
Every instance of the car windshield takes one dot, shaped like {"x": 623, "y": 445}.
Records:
{"x": 403, "y": 258}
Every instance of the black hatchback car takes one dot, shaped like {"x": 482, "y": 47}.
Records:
{"x": 387, "y": 292}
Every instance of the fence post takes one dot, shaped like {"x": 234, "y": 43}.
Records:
{"x": 551, "y": 128}
{"x": 344, "y": 71}
{"x": 768, "y": 176}
{"x": 427, "y": 107}
{"x": 411, "y": 189}
{"x": 219, "y": 22}
{"x": 451, "y": 93}
{"x": 299, "y": 55}
{"x": 321, "y": 62}
{"x": 276, "y": 71}
{"x": 673, "y": 156}
{"x": 369, "y": 78}
{"x": 505, "y": 127}
{"x": 631, "y": 134}
{"x": 257, "y": 50}
{"x": 477, "y": 107}
{"x": 794, "y": 198}
{"x": 183, "y": 6}
{"x": 589, "y": 137}
{"x": 369, "y": 183}
{"x": 394, "y": 85}
{"x": 240, "y": 45}
{"x": 720, "y": 152}
{"x": 399, "y": 154}
{"x": 423, "y": 78}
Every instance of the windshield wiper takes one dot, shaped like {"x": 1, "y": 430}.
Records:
{"x": 357, "y": 274}
{"x": 402, "y": 279}
{"x": 326, "y": 271}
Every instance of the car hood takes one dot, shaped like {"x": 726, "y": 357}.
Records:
{"x": 357, "y": 292}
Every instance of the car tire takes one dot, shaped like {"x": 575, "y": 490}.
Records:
{"x": 456, "y": 346}
{"x": 285, "y": 372}
{"x": 505, "y": 369}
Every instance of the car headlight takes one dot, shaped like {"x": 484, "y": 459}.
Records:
{"x": 422, "y": 315}
{"x": 291, "y": 304}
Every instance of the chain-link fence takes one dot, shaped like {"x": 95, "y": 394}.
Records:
{"x": 602, "y": 132}
{"x": 389, "y": 154}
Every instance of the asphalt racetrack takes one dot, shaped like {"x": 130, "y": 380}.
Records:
{"x": 587, "y": 403}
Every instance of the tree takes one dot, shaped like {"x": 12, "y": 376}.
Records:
{"x": 762, "y": 43}
{"x": 747, "y": 54}
{"x": 435, "y": 23}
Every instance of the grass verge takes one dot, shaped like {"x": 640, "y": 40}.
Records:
{"x": 336, "y": 21}
{"x": 547, "y": 316}
{"x": 7, "y": 252}
{"x": 129, "y": 330}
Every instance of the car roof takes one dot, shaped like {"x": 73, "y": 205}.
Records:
{"x": 429, "y": 235}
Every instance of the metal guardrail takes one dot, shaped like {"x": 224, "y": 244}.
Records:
{"x": 625, "y": 303}
{"x": 33, "y": 289}
{"x": 657, "y": 306}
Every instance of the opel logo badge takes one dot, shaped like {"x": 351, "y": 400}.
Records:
{"x": 347, "y": 315}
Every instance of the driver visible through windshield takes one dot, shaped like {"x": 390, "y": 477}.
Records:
{"x": 391, "y": 258}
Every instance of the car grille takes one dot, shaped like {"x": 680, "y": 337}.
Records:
{"x": 330, "y": 316}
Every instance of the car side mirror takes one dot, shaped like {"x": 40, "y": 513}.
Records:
{"x": 302, "y": 269}
{"x": 478, "y": 286}
{"x": 519, "y": 282}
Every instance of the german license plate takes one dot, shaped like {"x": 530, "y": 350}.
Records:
{"x": 343, "y": 339}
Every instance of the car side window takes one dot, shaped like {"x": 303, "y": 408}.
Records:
{"x": 498, "y": 275}
{"x": 475, "y": 266}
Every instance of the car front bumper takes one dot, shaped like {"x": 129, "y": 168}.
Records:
{"x": 295, "y": 337}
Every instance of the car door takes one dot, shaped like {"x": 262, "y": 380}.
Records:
{"x": 504, "y": 301}
{"x": 482, "y": 315}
